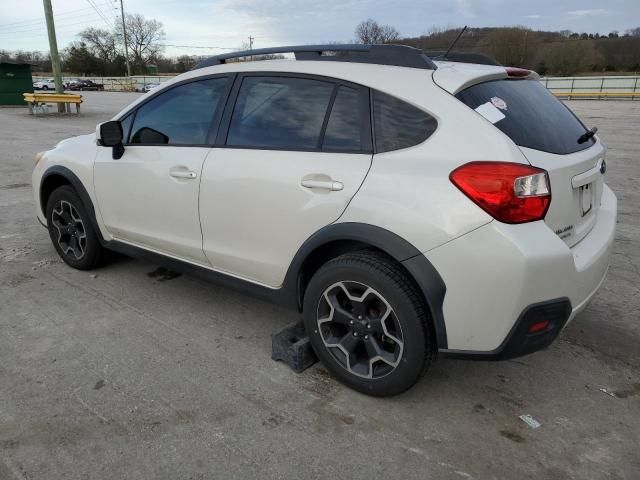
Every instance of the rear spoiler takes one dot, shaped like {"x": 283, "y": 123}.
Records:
{"x": 477, "y": 58}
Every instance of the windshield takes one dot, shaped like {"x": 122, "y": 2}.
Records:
{"x": 529, "y": 114}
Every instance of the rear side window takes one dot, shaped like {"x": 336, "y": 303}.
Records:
{"x": 534, "y": 118}
{"x": 279, "y": 112}
{"x": 344, "y": 129}
{"x": 399, "y": 124}
{"x": 179, "y": 116}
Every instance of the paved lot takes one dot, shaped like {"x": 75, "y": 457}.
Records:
{"x": 128, "y": 373}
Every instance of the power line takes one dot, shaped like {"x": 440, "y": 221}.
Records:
{"x": 39, "y": 29}
{"x": 26, "y": 23}
{"x": 99, "y": 12}
{"x": 197, "y": 46}
{"x": 92, "y": 16}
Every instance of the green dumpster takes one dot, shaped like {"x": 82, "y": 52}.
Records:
{"x": 15, "y": 79}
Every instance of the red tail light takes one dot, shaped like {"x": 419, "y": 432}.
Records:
{"x": 517, "y": 72}
{"x": 509, "y": 192}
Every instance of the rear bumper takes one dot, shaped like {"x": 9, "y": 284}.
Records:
{"x": 498, "y": 274}
{"x": 520, "y": 340}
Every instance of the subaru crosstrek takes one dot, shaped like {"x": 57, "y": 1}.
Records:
{"x": 409, "y": 207}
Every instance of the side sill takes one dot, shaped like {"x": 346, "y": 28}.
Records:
{"x": 285, "y": 297}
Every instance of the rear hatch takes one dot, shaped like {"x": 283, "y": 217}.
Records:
{"x": 548, "y": 134}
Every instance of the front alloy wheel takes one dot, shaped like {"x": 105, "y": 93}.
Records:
{"x": 72, "y": 237}
{"x": 71, "y": 230}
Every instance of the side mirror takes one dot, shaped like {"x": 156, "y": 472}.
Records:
{"x": 110, "y": 135}
{"x": 149, "y": 136}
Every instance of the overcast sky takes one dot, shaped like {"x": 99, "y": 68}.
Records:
{"x": 228, "y": 23}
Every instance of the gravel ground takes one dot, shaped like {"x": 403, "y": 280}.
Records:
{"x": 132, "y": 373}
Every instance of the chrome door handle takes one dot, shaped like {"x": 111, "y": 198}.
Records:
{"x": 332, "y": 185}
{"x": 183, "y": 174}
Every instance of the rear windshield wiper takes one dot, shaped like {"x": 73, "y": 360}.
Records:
{"x": 587, "y": 135}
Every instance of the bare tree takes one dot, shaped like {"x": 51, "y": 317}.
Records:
{"x": 370, "y": 32}
{"x": 144, "y": 38}
{"x": 569, "y": 58}
{"x": 510, "y": 46}
{"x": 101, "y": 43}
{"x": 634, "y": 32}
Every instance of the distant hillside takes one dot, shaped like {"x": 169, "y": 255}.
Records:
{"x": 548, "y": 53}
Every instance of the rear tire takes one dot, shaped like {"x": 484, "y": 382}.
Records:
{"x": 71, "y": 230}
{"x": 368, "y": 324}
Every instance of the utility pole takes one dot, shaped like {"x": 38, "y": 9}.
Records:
{"x": 126, "y": 47}
{"x": 53, "y": 51}
{"x": 251, "y": 46}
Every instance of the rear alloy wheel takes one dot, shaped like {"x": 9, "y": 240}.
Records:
{"x": 368, "y": 324}
{"x": 71, "y": 230}
{"x": 360, "y": 329}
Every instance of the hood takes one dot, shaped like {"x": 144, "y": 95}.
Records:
{"x": 88, "y": 139}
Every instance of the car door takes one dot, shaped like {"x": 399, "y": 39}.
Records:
{"x": 292, "y": 152}
{"x": 149, "y": 197}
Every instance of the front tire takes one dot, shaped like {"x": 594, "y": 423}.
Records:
{"x": 368, "y": 324}
{"x": 71, "y": 230}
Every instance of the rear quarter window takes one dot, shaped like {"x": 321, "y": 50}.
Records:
{"x": 534, "y": 117}
{"x": 399, "y": 124}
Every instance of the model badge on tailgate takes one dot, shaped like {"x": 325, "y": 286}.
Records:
{"x": 564, "y": 232}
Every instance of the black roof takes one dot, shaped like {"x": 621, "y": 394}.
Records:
{"x": 397, "y": 55}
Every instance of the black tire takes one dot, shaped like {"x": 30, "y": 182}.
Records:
{"x": 44, "y": 87}
{"x": 71, "y": 230}
{"x": 407, "y": 336}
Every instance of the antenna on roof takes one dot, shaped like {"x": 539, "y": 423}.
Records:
{"x": 444, "y": 57}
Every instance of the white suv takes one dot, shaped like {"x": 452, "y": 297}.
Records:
{"x": 409, "y": 207}
{"x": 44, "y": 84}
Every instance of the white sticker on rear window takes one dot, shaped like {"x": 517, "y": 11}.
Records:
{"x": 491, "y": 113}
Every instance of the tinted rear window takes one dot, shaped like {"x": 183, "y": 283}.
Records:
{"x": 279, "y": 112}
{"x": 398, "y": 124}
{"x": 534, "y": 118}
{"x": 344, "y": 130}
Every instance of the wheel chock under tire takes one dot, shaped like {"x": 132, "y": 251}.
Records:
{"x": 292, "y": 346}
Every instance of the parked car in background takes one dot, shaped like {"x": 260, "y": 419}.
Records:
{"x": 85, "y": 85}
{"x": 71, "y": 81}
{"x": 147, "y": 87}
{"x": 409, "y": 207}
{"x": 45, "y": 84}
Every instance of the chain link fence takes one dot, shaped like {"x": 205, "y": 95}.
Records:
{"x": 119, "y": 84}
{"x": 561, "y": 86}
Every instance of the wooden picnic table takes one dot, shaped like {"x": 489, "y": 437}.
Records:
{"x": 38, "y": 99}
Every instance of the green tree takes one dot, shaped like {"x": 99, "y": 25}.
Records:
{"x": 77, "y": 58}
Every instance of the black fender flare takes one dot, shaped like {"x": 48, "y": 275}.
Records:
{"x": 417, "y": 265}
{"x": 76, "y": 183}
